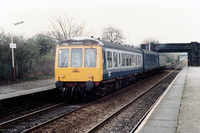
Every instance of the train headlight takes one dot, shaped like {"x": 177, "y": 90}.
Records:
{"x": 62, "y": 75}
{"x": 90, "y": 75}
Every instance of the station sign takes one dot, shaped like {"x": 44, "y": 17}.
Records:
{"x": 13, "y": 45}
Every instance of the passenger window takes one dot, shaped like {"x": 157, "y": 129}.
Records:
{"x": 129, "y": 60}
{"x": 123, "y": 60}
{"x": 90, "y": 57}
{"x": 115, "y": 58}
{"x": 63, "y": 59}
{"x": 136, "y": 61}
{"x": 126, "y": 55}
{"x": 132, "y": 60}
{"x": 76, "y": 57}
{"x": 109, "y": 59}
{"x": 119, "y": 59}
{"x": 139, "y": 61}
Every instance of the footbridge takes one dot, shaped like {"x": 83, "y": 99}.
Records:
{"x": 193, "y": 50}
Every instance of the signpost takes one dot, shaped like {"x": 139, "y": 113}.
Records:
{"x": 12, "y": 46}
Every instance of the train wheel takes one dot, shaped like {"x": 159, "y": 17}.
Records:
{"x": 63, "y": 93}
{"x": 117, "y": 84}
{"x": 80, "y": 92}
{"x": 66, "y": 94}
{"x": 103, "y": 91}
{"x": 94, "y": 94}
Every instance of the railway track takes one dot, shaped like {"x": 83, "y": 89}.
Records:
{"x": 36, "y": 119}
{"x": 125, "y": 113}
{"x": 30, "y": 102}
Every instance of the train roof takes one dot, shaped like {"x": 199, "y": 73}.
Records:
{"x": 120, "y": 46}
{"x": 149, "y": 52}
{"x": 92, "y": 41}
{"x": 81, "y": 41}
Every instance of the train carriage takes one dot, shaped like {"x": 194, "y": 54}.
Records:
{"x": 120, "y": 60}
{"x": 150, "y": 60}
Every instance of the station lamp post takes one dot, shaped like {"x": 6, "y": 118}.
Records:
{"x": 12, "y": 46}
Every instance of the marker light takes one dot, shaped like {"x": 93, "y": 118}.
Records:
{"x": 90, "y": 75}
{"x": 62, "y": 75}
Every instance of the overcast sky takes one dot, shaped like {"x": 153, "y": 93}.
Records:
{"x": 174, "y": 21}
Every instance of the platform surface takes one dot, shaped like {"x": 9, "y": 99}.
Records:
{"x": 14, "y": 90}
{"x": 189, "y": 118}
{"x": 179, "y": 108}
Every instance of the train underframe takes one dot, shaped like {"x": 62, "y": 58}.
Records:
{"x": 94, "y": 90}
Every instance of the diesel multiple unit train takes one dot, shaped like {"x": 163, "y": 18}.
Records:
{"x": 91, "y": 67}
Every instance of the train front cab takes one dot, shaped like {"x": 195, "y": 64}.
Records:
{"x": 78, "y": 68}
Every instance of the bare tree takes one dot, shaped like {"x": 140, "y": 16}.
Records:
{"x": 63, "y": 28}
{"x": 150, "y": 40}
{"x": 112, "y": 34}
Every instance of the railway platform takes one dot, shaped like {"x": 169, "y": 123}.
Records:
{"x": 29, "y": 87}
{"x": 178, "y": 110}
